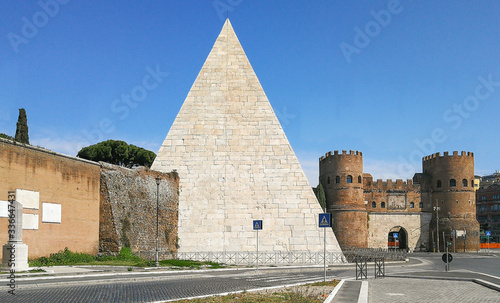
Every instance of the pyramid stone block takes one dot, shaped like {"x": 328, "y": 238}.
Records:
{"x": 236, "y": 165}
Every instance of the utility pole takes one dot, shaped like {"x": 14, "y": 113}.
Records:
{"x": 437, "y": 208}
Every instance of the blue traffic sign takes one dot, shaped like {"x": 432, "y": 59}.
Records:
{"x": 395, "y": 235}
{"x": 325, "y": 220}
{"x": 257, "y": 224}
{"x": 488, "y": 233}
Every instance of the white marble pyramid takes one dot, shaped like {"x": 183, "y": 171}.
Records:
{"x": 236, "y": 165}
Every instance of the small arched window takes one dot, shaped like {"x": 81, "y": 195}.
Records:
{"x": 464, "y": 183}
{"x": 328, "y": 180}
{"x": 412, "y": 205}
{"x": 453, "y": 182}
{"x": 374, "y": 204}
{"x": 382, "y": 204}
{"x": 420, "y": 205}
{"x": 438, "y": 183}
{"x": 472, "y": 183}
{"x": 337, "y": 179}
{"x": 359, "y": 179}
{"x": 349, "y": 179}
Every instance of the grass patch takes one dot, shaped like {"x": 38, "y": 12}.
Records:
{"x": 125, "y": 258}
{"x": 309, "y": 293}
{"x": 277, "y": 297}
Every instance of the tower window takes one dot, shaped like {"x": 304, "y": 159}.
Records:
{"x": 374, "y": 204}
{"x": 453, "y": 182}
{"x": 472, "y": 183}
{"x": 359, "y": 179}
{"x": 349, "y": 179}
{"x": 328, "y": 180}
{"x": 337, "y": 179}
{"x": 382, "y": 204}
{"x": 420, "y": 205}
{"x": 412, "y": 205}
{"x": 464, "y": 183}
{"x": 438, "y": 183}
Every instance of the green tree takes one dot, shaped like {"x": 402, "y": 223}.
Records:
{"x": 2, "y": 135}
{"x": 119, "y": 153}
{"x": 22, "y": 128}
{"x": 320, "y": 195}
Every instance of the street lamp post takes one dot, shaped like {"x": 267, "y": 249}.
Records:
{"x": 158, "y": 179}
{"x": 437, "y": 209}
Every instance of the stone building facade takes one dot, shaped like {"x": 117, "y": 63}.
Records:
{"x": 236, "y": 165}
{"x": 368, "y": 213}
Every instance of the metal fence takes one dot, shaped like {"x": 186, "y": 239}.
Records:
{"x": 265, "y": 258}
{"x": 372, "y": 254}
{"x": 294, "y": 258}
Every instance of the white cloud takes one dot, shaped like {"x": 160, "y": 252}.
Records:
{"x": 67, "y": 146}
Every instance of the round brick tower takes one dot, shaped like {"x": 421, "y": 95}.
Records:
{"x": 341, "y": 176}
{"x": 452, "y": 178}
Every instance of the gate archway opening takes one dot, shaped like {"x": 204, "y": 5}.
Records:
{"x": 397, "y": 242}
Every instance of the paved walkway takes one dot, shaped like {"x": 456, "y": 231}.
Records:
{"x": 421, "y": 287}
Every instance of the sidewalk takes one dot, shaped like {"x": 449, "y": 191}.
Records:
{"x": 424, "y": 286}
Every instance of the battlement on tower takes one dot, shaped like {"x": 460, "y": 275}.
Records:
{"x": 447, "y": 154}
{"x": 344, "y": 153}
{"x": 392, "y": 184}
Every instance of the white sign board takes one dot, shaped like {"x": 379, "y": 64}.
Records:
{"x": 29, "y": 199}
{"x": 4, "y": 209}
{"x": 461, "y": 233}
{"x": 30, "y": 221}
{"x": 51, "y": 213}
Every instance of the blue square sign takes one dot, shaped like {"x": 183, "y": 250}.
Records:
{"x": 325, "y": 220}
{"x": 395, "y": 235}
{"x": 257, "y": 224}
{"x": 488, "y": 233}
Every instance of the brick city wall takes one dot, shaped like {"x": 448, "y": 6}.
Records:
{"x": 61, "y": 180}
{"x": 128, "y": 211}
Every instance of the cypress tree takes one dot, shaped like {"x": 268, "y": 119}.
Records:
{"x": 22, "y": 128}
{"x": 320, "y": 195}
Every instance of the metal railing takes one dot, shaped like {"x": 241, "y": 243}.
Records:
{"x": 265, "y": 258}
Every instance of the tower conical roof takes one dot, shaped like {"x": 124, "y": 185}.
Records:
{"x": 236, "y": 165}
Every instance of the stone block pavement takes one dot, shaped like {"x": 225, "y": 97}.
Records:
{"x": 423, "y": 287}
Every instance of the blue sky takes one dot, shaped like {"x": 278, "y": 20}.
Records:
{"x": 396, "y": 80}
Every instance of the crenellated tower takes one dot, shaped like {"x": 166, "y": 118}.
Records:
{"x": 452, "y": 187}
{"x": 341, "y": 175}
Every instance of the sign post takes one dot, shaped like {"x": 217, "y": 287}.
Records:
{"x": 257, "y": 225}
{"x": 324, "y": 222}
{"x": 396, "y": 240}
{"x": 488, "y": 234}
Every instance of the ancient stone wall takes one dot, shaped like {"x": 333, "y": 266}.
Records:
{"x": 60, "y": 196}
{"x": 416, "y": 226}
{"x": 128, "y": 211}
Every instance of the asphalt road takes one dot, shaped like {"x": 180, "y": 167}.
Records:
{"x": 151, "y": 287}
{"x": 161, "y": 286}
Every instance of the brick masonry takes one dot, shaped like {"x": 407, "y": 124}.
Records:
{"x": 71, "y": 182}
{"x": 128, "y": 211}
{"x": 366, "y": 210}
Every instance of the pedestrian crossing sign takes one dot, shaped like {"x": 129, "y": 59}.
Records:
{"x": 257, "y": 224}
{"x": 324, "y": 220}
